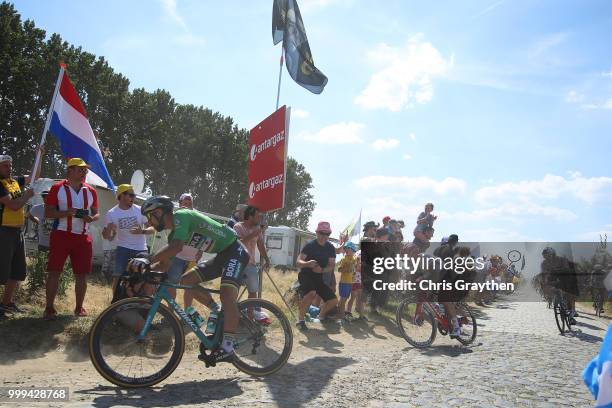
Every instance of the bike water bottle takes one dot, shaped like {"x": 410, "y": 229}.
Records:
{"x": 211, "y": 326}
{"x": 195, "y": 316}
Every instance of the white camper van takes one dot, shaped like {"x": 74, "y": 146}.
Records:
{"x": 284, "y": 244}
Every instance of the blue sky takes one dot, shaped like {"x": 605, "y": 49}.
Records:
{"x": 499, "y": 112}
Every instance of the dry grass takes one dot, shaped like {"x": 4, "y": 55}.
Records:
{"x": 29, "y": 334}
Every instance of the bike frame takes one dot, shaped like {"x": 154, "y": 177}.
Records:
{"x": 162, "y": 294}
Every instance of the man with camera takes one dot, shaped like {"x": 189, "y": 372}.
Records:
{"x": 74, "y": 204}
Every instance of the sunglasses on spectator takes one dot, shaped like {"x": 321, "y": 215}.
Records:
{"x": 327, "y": 234}
{"x": 131, "y": 195}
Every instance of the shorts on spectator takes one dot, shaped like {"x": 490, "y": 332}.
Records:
{"x": 122, "y": 256}
{"x": 64, "y": 244}
{"x": 311, "y": 281}
{"x": 345, "y": 289}
{"x": 329, "y": 279}
{"x": 357, "y": 286}
{"x": 12, "y": 255}
{"x": 251, "y": 278}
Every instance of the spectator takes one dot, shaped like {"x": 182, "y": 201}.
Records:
{"x": 369, "y": 231}
{"x": 356, "y": 292}
{"x": 74, "y": 204}
{"x": 186, "y": 201}
{"x": 385, "y": 221}
{"x": 250, "y": 232}
{"x": 237, "y": 216}
{"x": 13, "y": 197}
{"x": 125, "y": 222}
{"x": 424, "y": 222}
{"x": 346, "y": 267}
{"x": 317, "y": 257}
{"x": 45, "y": 225}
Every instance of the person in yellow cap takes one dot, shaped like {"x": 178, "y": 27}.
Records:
{"x": 13, "y": 197}
{"x": 127, "y": 227}
{"x": 74, "y": 204}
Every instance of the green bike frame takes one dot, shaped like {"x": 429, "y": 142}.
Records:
{"x": 210, "y": 342}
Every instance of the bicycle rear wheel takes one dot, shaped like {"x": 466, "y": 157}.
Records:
{"x": 416, "y": 323}
{"x": 121, "y": 358}
{"x": 264, "y": 338}
{"x": 560, "y": 314}
{"x": 467, "y": 322}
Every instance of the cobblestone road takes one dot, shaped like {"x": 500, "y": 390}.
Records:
{"x": 518, "y": 359}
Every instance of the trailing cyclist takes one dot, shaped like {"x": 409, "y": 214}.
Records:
{"x": 193, "y": 229}
{"x": 560, "y": 274}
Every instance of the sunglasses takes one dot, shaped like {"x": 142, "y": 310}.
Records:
{"x": 327, "y": 234}
{"x": 132, "y": 195}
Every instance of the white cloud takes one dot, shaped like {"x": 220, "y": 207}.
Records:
{"x": 488, "y": 9}
{"x": 574, "y": 97}
{"x": 407, "y": 157}
{"x": 385, "y": 144}
{"x": 586, "y": 189}
{"x": 604, "y": 233}
{"x": 515, "y": 211}
{"x": 172, "y": 12}
{"x": 607, "y": 74}
{"x": 607, "y": 105}
{"x": 547, "y": 42}
{"x": 405, "y": 75}
{"x": 337, "y": 133}
{"x": 412, "y": 137}
{"x": 413, "y": 185}
{"x": 300, "y": 113}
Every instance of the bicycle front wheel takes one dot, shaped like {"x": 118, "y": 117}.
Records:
{"x": 467, "y": 323}
{"x": 416, "y": 323}
{"x": 560, "y": 314}
{"x": 121, "y": 358}
{"x": 264, "y": 338}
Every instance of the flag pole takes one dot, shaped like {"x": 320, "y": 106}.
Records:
{"x": 38, "y": 159}
{"x": 280, "y": 75}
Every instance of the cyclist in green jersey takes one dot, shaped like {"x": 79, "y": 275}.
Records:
{"x": 193, "y": 229}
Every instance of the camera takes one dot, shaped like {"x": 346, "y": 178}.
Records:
{"x": 80, "y": 213}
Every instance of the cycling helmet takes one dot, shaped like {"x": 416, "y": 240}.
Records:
{"x": 548, "y": 251}
{"x": 350, "y": 245}
{"x": 155, "y": 202}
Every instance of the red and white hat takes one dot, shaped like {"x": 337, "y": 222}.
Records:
{"x": 324, "y": 227}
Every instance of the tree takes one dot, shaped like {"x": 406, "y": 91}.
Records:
{"x": 179, "y": 147}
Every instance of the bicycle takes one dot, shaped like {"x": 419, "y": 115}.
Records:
{"x": 562, "y": 316}
{"x": 131, "y": 356}
{"x": 426, "y": 316}
{"x": 599, "y": 300}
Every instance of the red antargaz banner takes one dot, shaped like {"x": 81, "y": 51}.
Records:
{"x": 268, "y": 160}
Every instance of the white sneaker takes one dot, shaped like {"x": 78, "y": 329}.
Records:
{"x": 456, "y": 332}
{"x": 262, "y": 317}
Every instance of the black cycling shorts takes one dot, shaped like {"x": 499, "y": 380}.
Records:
{"x": 312, "y": 281}
{"x": 12, "y": 255}
{"x": 229, "y": 264}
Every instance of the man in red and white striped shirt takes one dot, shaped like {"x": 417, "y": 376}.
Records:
{"x": 74, "y": 205}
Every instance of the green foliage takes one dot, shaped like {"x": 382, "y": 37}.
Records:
{"x": 37, "y": 273}
{"x": 179, "y": 147}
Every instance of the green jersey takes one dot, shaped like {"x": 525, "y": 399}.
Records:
{"x": 201, "y": 232}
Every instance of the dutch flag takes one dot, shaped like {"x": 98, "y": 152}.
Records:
{"x": 598, "y": 374}
{"x": 70, "y": 125}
